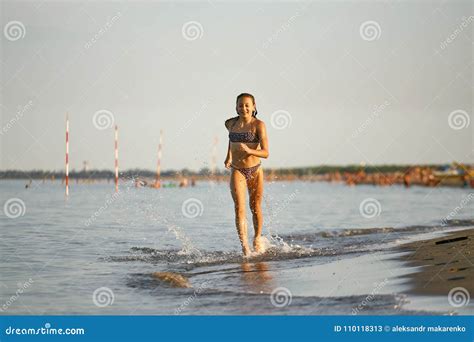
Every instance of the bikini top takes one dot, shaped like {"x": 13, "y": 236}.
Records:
{"x": 243, "y": 137}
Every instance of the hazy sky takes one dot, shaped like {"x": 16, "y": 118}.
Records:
{"x": 335, "y": 82}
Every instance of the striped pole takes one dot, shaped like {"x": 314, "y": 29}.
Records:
{"x": 158, "y": 166}
{"x": 116, "y": 158}
{"x": 67, "y": 154}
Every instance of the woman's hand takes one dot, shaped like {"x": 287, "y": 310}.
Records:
{"x": 244, "y": 148}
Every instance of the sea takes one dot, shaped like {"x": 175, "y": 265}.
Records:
{"x": 331, "y": 249}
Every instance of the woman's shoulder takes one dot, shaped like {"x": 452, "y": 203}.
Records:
{"x": 230, "y": 121}
{"x": 259, "y": 123}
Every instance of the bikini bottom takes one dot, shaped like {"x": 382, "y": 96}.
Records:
{"x": 247, "y": 172}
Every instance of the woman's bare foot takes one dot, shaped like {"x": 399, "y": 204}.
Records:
{"x": 258, "y": 245}
{"x": 246, "y": 251}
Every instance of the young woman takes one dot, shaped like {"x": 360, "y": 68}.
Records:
{"x": 246, "y": 134}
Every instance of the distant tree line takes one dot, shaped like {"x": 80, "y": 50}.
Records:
{"x": 299, "y": 171}
{"x": 325, "y": 169}
{"x": 96, "y": 174}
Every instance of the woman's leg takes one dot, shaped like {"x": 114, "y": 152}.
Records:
{"x": 237, "y": 189}
{"x": 255, "y": 186}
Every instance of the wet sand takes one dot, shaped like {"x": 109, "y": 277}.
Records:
{"x": 446, "y": 262}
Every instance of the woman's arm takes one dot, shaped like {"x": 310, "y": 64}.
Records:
{"x": 228, "y": 158}
{"x": 229, "y": 153}
{"x": 263, "y": 151}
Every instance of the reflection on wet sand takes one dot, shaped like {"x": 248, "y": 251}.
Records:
{"x": 256, "y": 277}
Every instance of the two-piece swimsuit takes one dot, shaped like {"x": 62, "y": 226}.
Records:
{"x": 245, "y": 137}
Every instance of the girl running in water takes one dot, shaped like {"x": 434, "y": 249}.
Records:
{"x": 246, "y": 134}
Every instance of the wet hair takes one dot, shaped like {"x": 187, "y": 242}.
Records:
{"x": 254, "y": 114}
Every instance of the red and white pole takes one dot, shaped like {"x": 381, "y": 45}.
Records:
{"x": 158, "y": 167}
{"x": 116, "y": 158}
{"x": 67, "y": 155}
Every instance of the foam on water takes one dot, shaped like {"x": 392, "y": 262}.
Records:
{"x": 340, "y": 243}
{"x": 199, "y": 258}
{"x": 281, "y": 251}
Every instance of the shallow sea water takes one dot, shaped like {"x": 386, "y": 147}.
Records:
{"x": 95, "y": 252}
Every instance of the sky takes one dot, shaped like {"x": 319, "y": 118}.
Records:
{"x": 336, "y": 82}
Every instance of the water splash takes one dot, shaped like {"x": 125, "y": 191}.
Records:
{"x": 145, "y": 207}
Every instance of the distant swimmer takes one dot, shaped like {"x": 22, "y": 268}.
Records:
{"x": 246, "y": 134}
{"x": 406, "y": 179}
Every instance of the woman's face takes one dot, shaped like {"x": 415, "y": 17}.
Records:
{"x": 245, "y": 106}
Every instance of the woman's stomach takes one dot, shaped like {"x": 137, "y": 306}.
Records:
{"x": 240, "y": 158}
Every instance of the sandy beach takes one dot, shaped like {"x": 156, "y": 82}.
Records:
{"x": 446, "y": 262}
